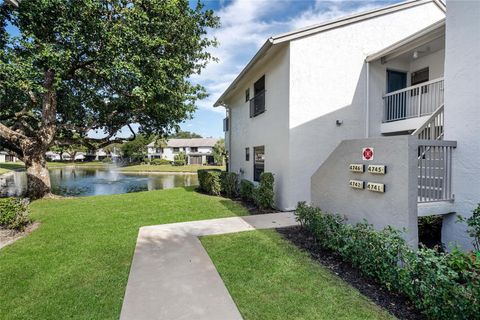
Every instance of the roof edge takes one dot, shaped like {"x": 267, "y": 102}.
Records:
{"x": 353, "y": 18}
{"x": 417, "y": 35}
{"x": 260, "y": 53}
{"x": 342, "y": 21}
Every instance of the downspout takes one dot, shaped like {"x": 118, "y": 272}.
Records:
{"x": 367, "y": 99}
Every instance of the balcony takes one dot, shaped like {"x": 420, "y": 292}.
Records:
{"x": 407, "y": 109}
{"x": 413, "y": 102}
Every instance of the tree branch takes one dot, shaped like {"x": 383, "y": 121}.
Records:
{"x": 14, "y": 137}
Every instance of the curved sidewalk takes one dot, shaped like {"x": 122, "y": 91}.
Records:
{"x": 172, "y": 276}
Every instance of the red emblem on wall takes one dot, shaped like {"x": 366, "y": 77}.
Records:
{"x": 367, "y": 153}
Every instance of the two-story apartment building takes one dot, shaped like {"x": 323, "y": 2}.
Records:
{"x": 381, "y": 74}
{"x": 198, "y": 150}
{"x": 6, "y": 156}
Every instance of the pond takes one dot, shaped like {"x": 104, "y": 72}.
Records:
{"x": 76, "y": 182}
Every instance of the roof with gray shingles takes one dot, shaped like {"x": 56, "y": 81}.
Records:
{"x": 195, "y": 142}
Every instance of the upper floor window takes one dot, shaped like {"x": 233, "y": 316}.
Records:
{"x": 225, "y": 124}
{"x": 257, "y": 103}
{"x": 247, "y": 154}
{"x": 418, "y": 77}
{"x": 193, "y": 149}
{"x": 247, "y": 94}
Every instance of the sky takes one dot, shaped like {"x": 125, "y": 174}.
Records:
{"x": 245, "y": 26}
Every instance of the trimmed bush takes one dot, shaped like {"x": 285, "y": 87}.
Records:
{"x": 229, "y": 184}
{"x": 159, "y": 162}
{"x": 441, "y": 285}
{"x": 209, "y": 181}
{"x": 247, "y": 189}
{"x": 13, "y": 213}
{"x": 178, "y": 162}
{"x": 263, "y": 195}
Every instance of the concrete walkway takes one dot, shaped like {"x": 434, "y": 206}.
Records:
{"x": 172, "y": 276}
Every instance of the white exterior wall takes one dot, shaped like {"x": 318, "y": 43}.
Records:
{"x": 462, "y": 110}
{"x": 168, "y": 154}
{"x": 435, "y": 62}
{"x": 2, "y": 158}
{"x": 328, "y": 81}
{"x": 269, "y": 129}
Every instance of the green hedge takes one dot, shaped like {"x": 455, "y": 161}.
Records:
{"x": 264, "y": 195}
{"x": 209, "y": 181}
{"x": 441, "y": 285}
{"x": 13, "y": 213}
{"x": 229, "y": 184}
{"x": 247, "y": 189}
{"x": 159, "y": 162}
{"x": 178, "y": 162}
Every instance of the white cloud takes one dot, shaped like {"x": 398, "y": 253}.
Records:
{"x": 247, "y": 24}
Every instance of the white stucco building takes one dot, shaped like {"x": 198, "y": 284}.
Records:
{"x": 197, "y": 150}
{"x": 6, "y": 156}
{"x": 393, "y": 71}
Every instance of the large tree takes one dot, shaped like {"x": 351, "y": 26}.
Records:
{"x": 82, "y": 65}
{"x": 185, "y": 135}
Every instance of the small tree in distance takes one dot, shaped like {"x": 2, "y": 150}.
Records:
{"x": 219, "y": 152}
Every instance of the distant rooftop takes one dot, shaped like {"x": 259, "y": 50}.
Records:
{"x": 194, "y": 142}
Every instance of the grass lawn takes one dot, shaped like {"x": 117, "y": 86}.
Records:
{"x": 20, "y": 166}
{"x": 270, "y": 278}
{"x": 167, "y": 168}
{"x": 2, "y": 170}
{"x": 92, "y": 164}
{"x": 76, "y": 265}
{"x": 8, "y": 166}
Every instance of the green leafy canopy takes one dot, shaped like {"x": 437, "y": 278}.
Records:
{"x": 114, "y": 63}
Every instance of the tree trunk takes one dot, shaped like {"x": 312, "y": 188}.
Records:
{"x": 38, "y": 178}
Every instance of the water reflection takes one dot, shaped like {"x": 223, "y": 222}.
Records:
{"x": 76, "y": 182}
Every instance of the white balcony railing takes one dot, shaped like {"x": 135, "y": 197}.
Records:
{"x": 415, "y": 101}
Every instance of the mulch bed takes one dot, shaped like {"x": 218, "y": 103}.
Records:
{"x": 10, "y": 236}
{"x": 396, "y": 304}
{"x": 252, "y": 209}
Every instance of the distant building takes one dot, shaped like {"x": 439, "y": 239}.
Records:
{"x": 198, "y": 150}
{"x": 6, "y": 156}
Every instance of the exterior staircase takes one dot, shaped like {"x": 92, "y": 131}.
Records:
{"x": 434, "y": 166}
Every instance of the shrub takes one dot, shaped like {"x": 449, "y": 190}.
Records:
{"x": 209, "y": 181}
{"x": 180, "y": 159}
{"x": 178, "y": 162}
{"x": 229, "y": 184}
{"x": 13, "y": 213}
{"x": 442, "y": 285}
{"x": 473, "y": 224}
{"x": 263, "y": 195}
{"x": 247, "y": 190}
{"x": 158, "y": 162}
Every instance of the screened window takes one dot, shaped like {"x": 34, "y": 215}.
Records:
{"x": 419, "y": 77}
